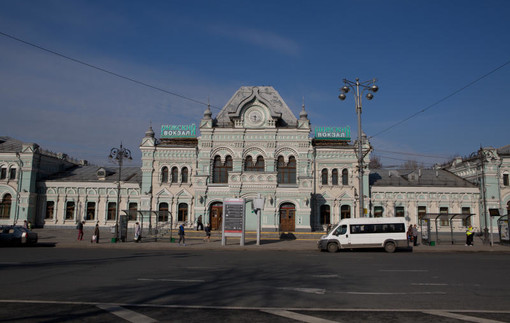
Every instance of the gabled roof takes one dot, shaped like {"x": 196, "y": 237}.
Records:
{"x": 89, "y": 174}
{"x": 505, "y": 150}
{"x": 10, "y": 145}
{"x": 267, "y": 95}
{"x": 415, "y": 178}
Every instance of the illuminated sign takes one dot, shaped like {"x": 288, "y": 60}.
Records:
{"x": 178, "y": 131}
{"x": 333, "y": 133}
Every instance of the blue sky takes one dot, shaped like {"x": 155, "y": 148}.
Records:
{"x": 419, "y": 51}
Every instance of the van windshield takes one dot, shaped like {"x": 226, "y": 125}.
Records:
{"x": 340, "y": 230}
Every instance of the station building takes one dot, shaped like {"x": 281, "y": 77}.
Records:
{"x": 254, "y": 146}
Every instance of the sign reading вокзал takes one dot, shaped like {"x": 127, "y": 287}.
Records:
{"x": 178, "y": 131}
{"x": 334, "y": 133}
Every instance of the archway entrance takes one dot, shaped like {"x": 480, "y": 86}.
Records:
{"x": 287, "y": 217}
{"x": 215, "y": 214}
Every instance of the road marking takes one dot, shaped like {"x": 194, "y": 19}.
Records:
{"x": 126, "y": 314}
{"x": 405, "y": 270}
{"x": 429, "y": 284}
{"x": 325, "y": 276}
{"x": 297, "y": 316}
{"x": 318, "y": 291}
{"x": 392, "y": 293}
{"x": 173, "y": 280}
{"x": 461, "y": 317}
{"x": 254, "y": 308}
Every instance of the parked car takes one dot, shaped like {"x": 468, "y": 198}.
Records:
{"x": 16, "y": 235}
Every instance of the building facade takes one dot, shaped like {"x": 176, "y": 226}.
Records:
{"x": 254, "y": 146}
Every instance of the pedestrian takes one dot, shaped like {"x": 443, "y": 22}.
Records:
{"x": 95, "y": 236}
{"x": 25, "y": 224}
{"x": 80, "y": 230}
{"x": 409, "y": 234}
{"x": 200, "y": 225}
{"x": 181, "y": 235}
{"x": 29, "y": 224}
{"x": 208, "y": 233}
{"x": 469, "y": 236}
{"x": 415, "y": 235}
{"x": 138, "y": 232}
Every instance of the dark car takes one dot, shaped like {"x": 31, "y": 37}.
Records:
{"x": 16, "y": 235}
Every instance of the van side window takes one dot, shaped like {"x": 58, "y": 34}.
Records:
{"x": 378, "y": 228}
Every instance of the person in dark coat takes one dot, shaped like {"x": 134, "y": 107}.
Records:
{"x": 80, "y": 230}
{"x": 96, "y": 232}
{"x": 181, "y": 235}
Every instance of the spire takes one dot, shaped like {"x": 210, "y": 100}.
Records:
{"x": 303, "y": 115}
{"x": 149, "y": 133}
{"x": 207, "y": 112}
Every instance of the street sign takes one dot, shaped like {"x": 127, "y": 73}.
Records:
{"x": 233, "y": 219}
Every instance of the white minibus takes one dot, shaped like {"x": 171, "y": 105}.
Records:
{"x": 387, "y": 233}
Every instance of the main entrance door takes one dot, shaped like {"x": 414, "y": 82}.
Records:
{"x": 287, "y": 217}
{"x": 215, "y": 215}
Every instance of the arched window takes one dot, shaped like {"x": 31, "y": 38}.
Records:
{"x": 184, "y": 175}
{"x": 324, "y": 176}
{"x": 133, "y": 211}
{"x": 5, "y": 206}
{"x": 69, "y": 210}
{"x": 175, "y": 174}
{"x": 112, "y": 211}
{"x": 164, "y": 174}
{"x": 163, "y": 212}
{"x": 220, "y": 171}
{"x": 345, "y": 212}
{"x": 259, "y": 165}
{"x": 183, "y": 212}
{"x": 286, "y": 172}
{"x": 248, "y": 164}
{"x": 334, "y": 177}
{"x": 325, "y": 214}
{"x": 345, "y": 177}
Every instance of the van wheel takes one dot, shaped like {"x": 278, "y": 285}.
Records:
{"x": 389, "y": 247}
{"x": 332, "y": 247}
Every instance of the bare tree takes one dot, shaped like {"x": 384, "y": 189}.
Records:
{"x": 412, "y": 164}
{"x": 375, "y": 163}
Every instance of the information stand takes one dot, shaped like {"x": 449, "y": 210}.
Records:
{"x": 233, "y": 219}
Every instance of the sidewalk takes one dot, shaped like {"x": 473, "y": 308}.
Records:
{"x": 304, "y": 241}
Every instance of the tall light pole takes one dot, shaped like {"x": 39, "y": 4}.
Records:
{"x": 359, "y": 89}
{"x": 117, "y": 155}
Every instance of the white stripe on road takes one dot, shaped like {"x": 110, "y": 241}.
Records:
{"x": 298, "y": 317}
{"x": 173, "y": 280}
{"x": 405, "y": 270}
{"x": 461, "y": 317}
{"x": 318, "y": 291}
{"x": 395, "y": 293}
{"x": 126, "y": 314}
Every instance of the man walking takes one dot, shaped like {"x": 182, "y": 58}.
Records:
{"x": 80, "y": 230}
{"x": 415, "y": 235}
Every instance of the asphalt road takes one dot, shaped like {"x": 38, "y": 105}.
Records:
{"x": 57, "y": 285}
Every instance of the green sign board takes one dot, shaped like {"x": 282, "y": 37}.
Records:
{"x": 333, "y": 133}
{"x": 178, "y": 131}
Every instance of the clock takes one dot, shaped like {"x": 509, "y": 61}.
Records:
{"x": 255, "y": 117}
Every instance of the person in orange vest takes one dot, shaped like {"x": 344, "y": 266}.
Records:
{"x": 469, "y": 235}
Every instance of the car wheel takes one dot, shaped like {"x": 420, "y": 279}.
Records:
{"x": 332, "y": 247}
{"x": 390, "y": 247}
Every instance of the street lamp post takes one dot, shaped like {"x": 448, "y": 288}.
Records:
{"x": 118, "y": 155}
{"x": 358, "y": 88}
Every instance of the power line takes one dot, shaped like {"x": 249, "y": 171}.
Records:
{"x": 107, "y": 71}
{"x": 410, "y": 154}
{"x": 441, "y": 100}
